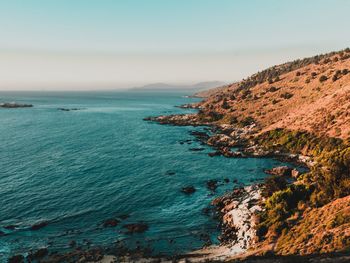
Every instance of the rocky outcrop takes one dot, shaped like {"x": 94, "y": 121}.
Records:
{"x": 39, "y": 225}
{"x": 188, "y": 190}
{"x": 11, "y": 105}
{"x": 136, "y": 228}
{"x": 69, "y": 109}
{"x": 112, "y": 222}
{"x": 283, "y": 171}
{"x": 238, "y": 211}
{"x": 178, "y": 120}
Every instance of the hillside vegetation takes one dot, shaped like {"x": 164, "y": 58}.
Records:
{"x": 311, "y": 94}
{"x": 300, "y": 107}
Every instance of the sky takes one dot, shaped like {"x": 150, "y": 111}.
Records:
{"x": 97, "y": 44}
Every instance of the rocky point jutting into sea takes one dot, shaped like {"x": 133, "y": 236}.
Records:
{"x": 298, "y": 112}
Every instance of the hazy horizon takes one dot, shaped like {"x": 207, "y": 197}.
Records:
{"x": 111, "y": 45}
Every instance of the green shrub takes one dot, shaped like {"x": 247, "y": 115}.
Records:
{"x": 323, "y": 78}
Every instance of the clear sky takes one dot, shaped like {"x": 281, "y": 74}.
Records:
{"x": 52, "y": 44}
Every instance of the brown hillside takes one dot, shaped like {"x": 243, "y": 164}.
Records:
{"x": 312, "y": 94}
{"x": 321, "y": 230}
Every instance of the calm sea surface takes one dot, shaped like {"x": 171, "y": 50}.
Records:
{"x": 76, "y": 169}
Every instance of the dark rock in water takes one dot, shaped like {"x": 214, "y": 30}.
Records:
{"x": 283, "y": 171}
{"x": 136, "y": 228}
{"x": 123, "y": 217}
{"x": 226, "y": 180}
{"x": 197, "y": 149}
{"x": 202, "y": 136}
{"x": 212, "y": 184}
{"x": 112, "y": 222}
{"x": 206, "y": 238}
{"x": 212, "y": 154}
{"x": 188, "y": 190}
{"x": 38, "y": 226}
{"x": 206, "y": 211}
{"x": 72, "y": 243}
{"x": 170, "y": 172}
{"x": 16, "y": 259}
{"x": 68, "y": 109}
{"x": 10, "y": 105}
{"x": 235, "y": 181}
{"x": 10, "y": 227}
{"x": 39, "y": 254}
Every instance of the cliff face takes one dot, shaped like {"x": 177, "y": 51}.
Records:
{"x": 312, "y": 94}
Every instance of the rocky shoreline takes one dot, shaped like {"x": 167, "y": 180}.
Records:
{"x": 238, "y": 209}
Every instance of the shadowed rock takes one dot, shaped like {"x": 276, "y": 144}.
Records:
{"x": 136, "y": 228}
{"x": 112, "y": 222}
{"x": 188, "y": 190}
{"x": 39, "y": 225}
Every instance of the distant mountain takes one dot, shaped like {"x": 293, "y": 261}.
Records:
{"x": 195, "y": 87}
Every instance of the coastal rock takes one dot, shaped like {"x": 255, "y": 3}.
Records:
{"x": 10, "y": 105}
{"x": 69, "y": 109}
{"x": 10, "y": 227}
{"x": 39, "y": 254}
{"x": 188, "y": 106}
{"x": 72, "y": 243}
{"x": 218, "y": 140}
{"x": 212, "y": 184}
{"x": 200, "y": 135}
{"x": 179, "y": 120}
{"x": 112, "y": 222}
{"x": 226, "y": 151}
{"x": 170, "y": 172}
{"x": 188, "y": 190}
{"x": 197, "y": 149}
{"x": 136, "y": 228}
{"x": 16, "y": 259}
{"x": 283, "y": 171}
{"x": 39, "y": 225}
{"x": 238, "y": 210}
{"x": 216, "y": 153}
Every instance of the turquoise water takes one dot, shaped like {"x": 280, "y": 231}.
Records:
{"x": 76, "y": 169}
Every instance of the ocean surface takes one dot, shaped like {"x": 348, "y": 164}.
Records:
{"x": 75, "y": 169}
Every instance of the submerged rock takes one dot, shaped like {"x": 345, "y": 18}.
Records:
{"x": 39, "y": 225}
{"x": 136, "y": 228}
{"x": 216, "y": 153}
{"x": 112, "y": 222}
{"x": 10, "y": 227}
{"x": 188, "y": 190}
{"x": 39, "y": 254}
{"x": 72, "y": 243}
{"x": 212, "y": 184}
{"x": 170, "y": 172}
{"x": 68, "y": 109}
{"x": 16, "y": 259}
{"x": 197, "y": 149}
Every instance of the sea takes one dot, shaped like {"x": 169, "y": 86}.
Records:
{"x": 76, "y": 169}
